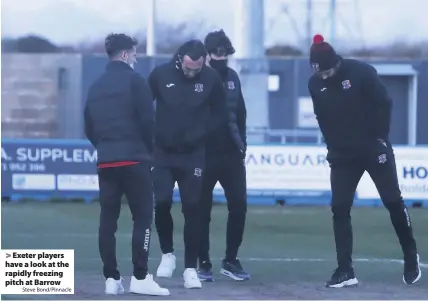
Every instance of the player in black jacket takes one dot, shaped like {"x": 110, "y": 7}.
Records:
{"x": 353, "y": 110}
{"x": 190, "y": 104}
{"x": 119, "y": 122}
{"x": 225, "y": 164}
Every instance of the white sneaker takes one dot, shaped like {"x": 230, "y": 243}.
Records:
{"x": 147, "y": 286}
{"x": 191, "y": 279}
{"x": 167, "y": 266}
{"x": 114, "y": 287}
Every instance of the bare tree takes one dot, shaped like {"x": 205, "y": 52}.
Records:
{"x": 29, "y": 44}
{"x": 395, "y": 50}
{"x": 283, "y": 50}
{"x": 168, "y": 38}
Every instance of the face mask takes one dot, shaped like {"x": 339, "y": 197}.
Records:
{"x": 129, "y": 60}
{"x": 219, "y": 65}
{"x": 130, "y": 63}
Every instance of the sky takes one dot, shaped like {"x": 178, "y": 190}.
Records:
{"x": 359, "y": 22}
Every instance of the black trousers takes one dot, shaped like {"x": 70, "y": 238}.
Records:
{"x": 136, "y": 183}
{"x": 189, "y": 181}
{"x": 229, "y": 170}
{"x": 345, "y": 176}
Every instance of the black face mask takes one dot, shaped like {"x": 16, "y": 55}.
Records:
{"x": 220, "y": 66}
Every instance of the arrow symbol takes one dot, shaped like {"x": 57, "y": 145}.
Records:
{"x": 7, "y": 255}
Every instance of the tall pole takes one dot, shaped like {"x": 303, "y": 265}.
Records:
{"x": 251, "y": 64}
{"x": 239, "y": 29}
{"x": 249, "y": 28}
{"x": 308, "y": 24}
{"x": 332, "y": 21}
{"x": 151, "y": 29}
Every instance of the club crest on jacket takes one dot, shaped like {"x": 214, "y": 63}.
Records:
{"x": 199, "y": 87}
{"x": 346, "y": 84}
{"x": 316, "y": 66}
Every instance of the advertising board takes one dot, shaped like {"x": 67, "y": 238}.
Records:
{"x": 67, "y": 166}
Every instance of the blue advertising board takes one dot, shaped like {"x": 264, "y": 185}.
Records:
{"x": 298, "y": 174}
{"x": 48, "y": 167}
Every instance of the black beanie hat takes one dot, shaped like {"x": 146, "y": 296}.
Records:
{"x": 322, "y": 55}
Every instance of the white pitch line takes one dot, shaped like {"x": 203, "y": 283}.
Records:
{"x": 260, "y": 259}
{"x": 381, "y": 260}
{"x": 91, "y": 235}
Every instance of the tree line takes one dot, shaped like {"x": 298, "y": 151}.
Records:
{"x": 177, "y": 34}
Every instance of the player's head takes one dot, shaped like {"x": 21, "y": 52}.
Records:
{"x": 323, "y": 58}
{"x": 219, "y": 47}
{"x": 191, "y": 58}
{"x": 120, "y": 47}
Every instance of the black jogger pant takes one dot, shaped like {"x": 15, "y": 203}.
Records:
{"x": 345, "y": 176}
{"x": 189, "y": 181}
{"x": 136, "y": 183}
{"x": 229, "y": 170}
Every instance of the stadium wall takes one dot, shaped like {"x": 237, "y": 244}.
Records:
{"x": 43, "y": 95}
{"x": 289, "y": 102}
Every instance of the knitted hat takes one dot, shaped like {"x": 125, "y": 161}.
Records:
{"x": 322, "y": 55}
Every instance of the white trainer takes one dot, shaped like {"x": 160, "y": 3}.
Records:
{"x": 114, "y": 287}
{"x": 191, "y": 279}
{"x": 147, "y": 286}
{"x": 167, "y": 266}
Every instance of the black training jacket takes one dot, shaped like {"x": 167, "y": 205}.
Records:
{"x": 231, "y": 136}
{"x": 187, "y": 110}
{"x": 119, "y": 115}
{"x": 353, "y": 109}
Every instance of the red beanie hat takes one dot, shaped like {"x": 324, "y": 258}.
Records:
{"x": 322, "y": 55}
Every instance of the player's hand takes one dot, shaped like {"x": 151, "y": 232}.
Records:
{"x": 243, "y": 156}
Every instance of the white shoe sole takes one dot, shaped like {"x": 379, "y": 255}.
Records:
{"x": 417, "y": 278}
{"x": 121, "y": 292}
{"x": 165, "y": 275}
{"x": 189, "y": 286}
{"x": 231, "y": 275}
{"x": 151, "y": 293}
{"x": 350, "y": 282}
{"x": 419, "y": 274}
{"x": 159, "y": 275}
